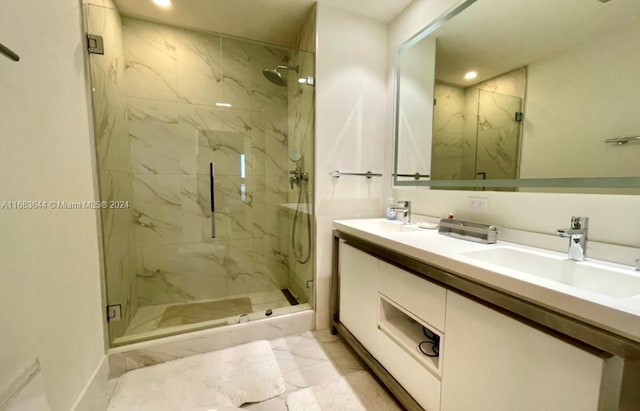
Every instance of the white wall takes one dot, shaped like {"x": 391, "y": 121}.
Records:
{"x": 560, "y": 110}
{"x": 416, "y": 118}
{"x": 49, "y": 260}
{"x": 614, "y": 218}
{"x": 406, "y": 25}
{"x": 350, "y": 128}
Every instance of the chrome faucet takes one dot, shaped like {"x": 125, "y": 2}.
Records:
{"x": 577, "y": 235}
{"x": 406, "y": 211}
{"x": 297, "y": 176}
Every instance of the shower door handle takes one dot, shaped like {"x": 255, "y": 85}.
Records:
{"x": 212, "y": 194}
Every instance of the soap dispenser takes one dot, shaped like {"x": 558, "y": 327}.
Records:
{"x": 391, "y": 211}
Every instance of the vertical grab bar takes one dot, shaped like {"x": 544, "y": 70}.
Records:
{"x": 212, "y": 191}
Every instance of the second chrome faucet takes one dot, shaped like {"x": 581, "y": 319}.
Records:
{"x": 405, "y": 209}
{"x": 577, "y": 235}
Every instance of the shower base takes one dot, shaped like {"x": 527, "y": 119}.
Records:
{"x": 154, "y": 321}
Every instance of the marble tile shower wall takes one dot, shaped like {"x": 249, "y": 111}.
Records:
{"x": 301, "y": 138}
{"x": 174, "y": 79}
{"x": 114, "y": 161}
{"x": 498, "y": 134}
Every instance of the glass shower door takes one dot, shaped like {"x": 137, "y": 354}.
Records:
{"x": 183, "y": 118}
{"x": 498, "y": 135}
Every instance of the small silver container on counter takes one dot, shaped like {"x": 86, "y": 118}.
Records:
{"x": 470, "y": 231}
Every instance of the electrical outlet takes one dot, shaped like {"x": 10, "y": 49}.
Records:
{"x": 477, "y": 203}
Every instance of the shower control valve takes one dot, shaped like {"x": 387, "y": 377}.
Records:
{"x": 297, "y": 177}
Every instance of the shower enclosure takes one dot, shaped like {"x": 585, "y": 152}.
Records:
{"x": 476, "y": 134}
{"x": 205, "y": 162}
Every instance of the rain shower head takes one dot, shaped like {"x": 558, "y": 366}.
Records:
{"x": 275, "y": 76}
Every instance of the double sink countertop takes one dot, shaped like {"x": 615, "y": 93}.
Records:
{"x": 600, "y": 293}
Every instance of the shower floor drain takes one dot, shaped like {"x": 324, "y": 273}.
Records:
{"x": 289, "y": 296}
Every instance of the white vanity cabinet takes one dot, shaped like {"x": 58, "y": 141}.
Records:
{"x": 496, "y": 363}
{"x": 408, "y": 305}
{"x": 487, "y": 360}
{"x": 359, "y": 294}
{"x": 385, "y": 309}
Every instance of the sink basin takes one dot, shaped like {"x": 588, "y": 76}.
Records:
{"x": 587, "y": 275}
{"x": 385, "y": 226}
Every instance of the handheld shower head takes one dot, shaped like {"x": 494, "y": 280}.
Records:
{"x": 276, "y": 77}
{"x": 295, "y": 156}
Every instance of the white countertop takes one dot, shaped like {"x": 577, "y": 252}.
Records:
{"x": 618, "y": 315}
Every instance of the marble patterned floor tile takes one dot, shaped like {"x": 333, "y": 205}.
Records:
{"x": 321, "y": 373}
{"x": 144, "y": 358}
{"x": 322, "y": 336}
{"x": 102, "y": 402}
{"x": 348, "y": 364}
{"x": 336, "y": 348}
{"x": 303, "y": 347}
{"x": 274, "y": 404}
{"x": 306, "y": 359}
{"x": 117, "y": 364}
{"x": 289, "y": 360}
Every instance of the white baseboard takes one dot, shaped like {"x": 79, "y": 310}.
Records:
{"x": 96, "y": 393}
{"x": 26, "y": 392}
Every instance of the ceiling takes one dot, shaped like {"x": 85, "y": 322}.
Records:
{"x": 496, "y": 36}
{"x": 272, "y": 21}
{"x": 381, "y": 10}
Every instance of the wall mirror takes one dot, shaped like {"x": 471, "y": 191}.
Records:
{"x": 522, "y": 95}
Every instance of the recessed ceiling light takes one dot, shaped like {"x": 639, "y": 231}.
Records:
{"x": 471, "y": 75}
{"x": 223, "y": 105}
{"x": 162, "y": 3}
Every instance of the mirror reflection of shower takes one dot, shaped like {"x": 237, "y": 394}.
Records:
{"x": 276, "y": 77}
{"x": 299, "y": 178}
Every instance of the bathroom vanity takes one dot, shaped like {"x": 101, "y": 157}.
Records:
{"x": 449, "y": 324}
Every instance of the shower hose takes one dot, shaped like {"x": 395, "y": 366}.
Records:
{"x": 302, "y": 257}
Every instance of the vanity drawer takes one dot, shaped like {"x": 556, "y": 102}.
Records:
{"x": 422, "y": 298}
{"x": 423, "y": 386}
